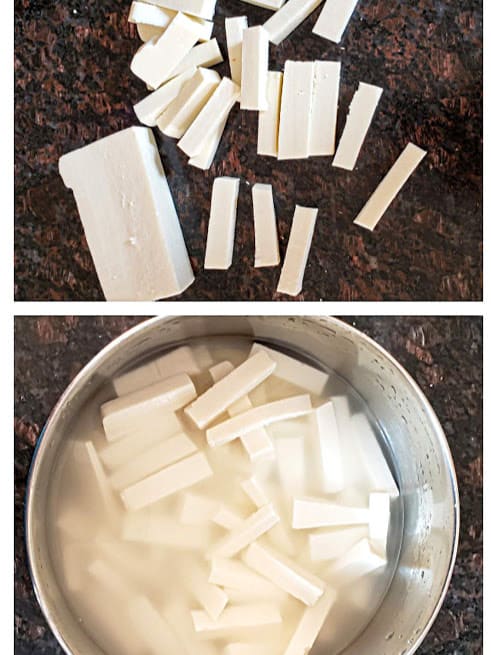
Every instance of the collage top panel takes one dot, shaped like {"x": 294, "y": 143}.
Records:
{"x": 212, "y": 150}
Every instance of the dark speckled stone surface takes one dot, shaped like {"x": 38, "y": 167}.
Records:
{"x": 444, "y": 355}
{"x": 73, "y": 85}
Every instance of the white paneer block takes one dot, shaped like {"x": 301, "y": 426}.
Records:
{"x": 201, "y": 8}
{"x": 101, "y": 480}
{"x": 156, "y": 59}
{"x": 155, "y": 634}
{"x": 205, "y": 55}
{"x": 143, "y": 13}
{"x": 148, "y": 32}
{"x": 182, "y": 111}
{"x": 182, "y": 475}
{"x": 285, "y": 574}
{"x": 221, "y": 226}
{"x": 226, "y": 391}
{"x": 176, "y": 612}
{"x": 164, "y": 531}
{"x": 197, "y": 509}
{"x": 334, "y": 18}
{"x": 334, "y": 543}
{"x": 254, "y": 490}
{"x": 267, "y": 252}
{"x": 298, "y": 250}
{"x": 316, "y": 513}
{"x": 235, "y": 575}
{"x": 290, "y": 454}
{"x": 129, "y": 217}
{"x": 324, "y": 108}
{"x": 234, "y": 28}
{"x": 358, "y": 561}
{"x": 210, "y": 117}
{"x": 227, "y": 518}
{"x": 255, "y": 59}
{"x": 247, "y": 532}
{"x": 296, "y": 110}
{"x": 237, "y": 617}
{"x": 204, "y": 159}
{"x": 283, "y": 22}
{"x": 269, "y": 119}
{"x": 149, "y": 109}
{"x": 294, "y": 371}
{"x": 257, "y": 417}
{"x": 162, "y": 454}
{"x": 361, "y": 112}
{"x": 328, "y": 447}
{"x": 389, "y": 187}
{"x": 123, "y": 415}
{"x": 379, "y": 523}
{"x": 310, "y": 625}
{"x": 211, "y": 598}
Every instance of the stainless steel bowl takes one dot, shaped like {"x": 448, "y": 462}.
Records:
{"x": 426, "y": 473}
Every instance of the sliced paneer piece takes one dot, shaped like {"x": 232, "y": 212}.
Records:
{"x": 294, "y": 371}
{"x": 290, "y": 454}
{"x": 211, "y": 597}
{"x": 210, "y": 117}
{"x": 152, "y": 460}
{"x": 328, "y": 449}
{"x": 269, "y": 119}
{"x": 297, "y": 251}
{"x": 143, "y": 13}
{"x": 164, "y": 531}
{"x": 156, "y": 59}
{"x": 182, "y": 111}
{"x": 245, "y": 533}
{"x": 102, "y": 483}
{"x": 170, "y": 480}
{"x": 107, "y": 577}
{"x": 176, "y": 612}
{"x": 389, "y": 187}
{"x": 296, "y": 110}
{"x": 148, "y": 32}
{"x": 205, "y": 55}
{"x": 154, "y": 632}
{"x": 283, "y": 22}
{"x": 257, "y": 417}
{"x": 358, "y": 561}
{"x": 317, "y": 513}
{"x": 129, "y": 217}
{"x": 221, "y": 226}
{"x": 229, "y": 389}
{"x": 361, "y": 112}
{"x": 235, "y": 575}
{"x": 379, "y": 524}
{"x": 237, "y": 617}
{"x": 204, "y": 159}
{"x": 334, "y": 18}
{"x": 197, "y": 509}
{"x": 255, "y": 60}
{"x": 285, "y": 574}
{"x": 123, "y": 415}
{"x": 201, "y": 8}
{"x": 267, "y": 252}
{"x": 310, "y": 625}
{"x": 333, "y": 543}
{"x": 227, "y": 518}
{"x": 234, "y": 29}
{"x": 150, "y": 108}
{"x": 324, "y": 108}
{"x": 255, "y": 492}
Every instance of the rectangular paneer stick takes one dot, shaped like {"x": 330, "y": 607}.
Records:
{"x": 234, "y": 574}
{"x": 129, "y": 216}
{"x": 166, "y": 482}
{"x": 221, "y": 226}
{"x": 288, "y": 18}
{"x": 246, "y": 532}
{"x": 310, "y": 625}
{"x": 296, "y": 110}
{"x": 234, "y": 30}
{"x": 334, "y": 18}
{"x": 285, "y": 574}
{"x": 236, "y": 617}
{"x": 297, "y": 251}
{"x": 255, "y": 59}
{"x": 328, "y": 444}
{"x": 269, "y": 120}
{"x": 361, "y": 112}
{"x": 267, "y": 252}
{"x": 203, "y": 55}
{"x": 149, "y": 109}
{"x": 232, "y": 387}
{"x": 256, "y": 417}
{"x": 389, "y": 187}
{"x": 314, "y": 513}
{"x": 164, "y": 531}
{"x": 200, "y": 8}
{"x": 325, "y": 97}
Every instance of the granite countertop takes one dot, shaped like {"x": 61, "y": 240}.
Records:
{"x": 444, "y": 355}
{"x": 74, "y": 85}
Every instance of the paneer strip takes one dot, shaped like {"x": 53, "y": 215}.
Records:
{"x": 335, "y": 542}
{"x": 211, "y": 598}
{"x": 297, "y": 251}
{"x": 389, "y": 187}
{"x": 269, "y": 120}
{"x": 162, "y": 454}
{"x": 226, "y": 391}
{"x": 296, "y": 110}
{"x": 221, "y": 226}
{"x": 379, "y": 523}
{"x": 255, "y": 492}
{"x": 247, "y": 532}
{"x": 285, "y": 574}
{"x": 227, "y": 518}
{"x": 155, "y": 634}
{"x": 164, "y": 531}
{"x": 257, "y": 417}
{"x": 148, "y": 32}
{"x": 204, "y": 159}
{"x": 314, "y": 513}
{"x": 310, "y": 625}
{"x": 129, "y": 217}
{"x": 358, "y": 561}
{"x": 302, "y": 375}
{"x": 149, "y": 109}
{"x": 156, "y": 59}
{"x": 182, "y": 475}
{"x": 283, "y": 22}
{"x": 334, "y": 18}
{"x": 205, "y": 55}
{"x": 197, "y": 509}
{"x": 210, "y": 117}
{"x": 101, "y": 480}
{"x": 200, "y": 8}
{"x": 237, "y": 617}
{"x": 142, "y": 12}
{"x": 267, "y": 252}
{"x": 194, "y": 95}
{"x": 290, "y": 454}
{"x": 361, "y": 112}
{"x": 234, "y": 29}
{"x": 177, "y": 613}
{"x": 255, "y": 60}
{"x": 233, "y": 574}
{"x": 324, "y": 108}
{"x": 123, "y": 415}
{"x": 328, "y": 449}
